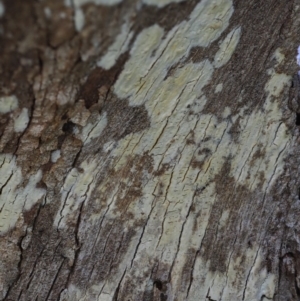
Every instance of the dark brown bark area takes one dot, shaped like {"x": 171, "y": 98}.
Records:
{"x": 50, "y": 68}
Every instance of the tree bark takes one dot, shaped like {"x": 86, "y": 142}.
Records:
{"x": 149, "y": 151}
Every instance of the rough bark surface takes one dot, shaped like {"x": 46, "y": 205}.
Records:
{"x": 148, "y": 151}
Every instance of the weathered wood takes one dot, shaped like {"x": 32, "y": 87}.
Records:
{"x": 148, "y": 150}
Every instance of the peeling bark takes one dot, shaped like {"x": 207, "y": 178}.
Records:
{"x": 149, "y": 150}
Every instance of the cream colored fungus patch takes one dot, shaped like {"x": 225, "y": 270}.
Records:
{"x": 79, "y": 184}
{"x": 8, "y": 103}
{"x": 79, "y": 17}
{"x": 208, "y": 20}
{"x": 119, "y": 46}
{"x": 161, "y": 3}
{"x": 77, "y": 188}
{"x": 227, "y": 48}
{"x": 21, "y": 121}
{"x": 245, "y": 279}
{"x": 219, "y": 88}
{"x": 15, "y": 199}
{"x": 167, "y": 198}
{"x": 55, "y": 155}
{"x": 95, "y": 129}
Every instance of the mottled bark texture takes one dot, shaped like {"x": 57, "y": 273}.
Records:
{"x": 148, "y": 151}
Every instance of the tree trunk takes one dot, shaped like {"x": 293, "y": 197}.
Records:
{"x": 150, "y": 150}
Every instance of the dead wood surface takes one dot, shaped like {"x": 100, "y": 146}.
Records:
{"x": 148, "y": 151}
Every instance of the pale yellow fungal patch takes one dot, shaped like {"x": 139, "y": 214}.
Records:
{"x": 79, "y": 18}
{"x": 94, "y": 130}
{"x": 108, "y": 146}
{"x": 211, "y": 19}
{"x": 103, "y": 291}
{"x": 268, "y": 287}
{"x": 67, "y": 204}
{"x": 260, "y": 278}
{"x": 158, "y": 55}
{"x": 276, "y": 83}
{"x": 263, "y": 131}
{"x": 117, "y": 48}
{"x": 224, "y": 218}
{"x": 146, "y": 43}
{"x": 278, "y": 56}
{"x": 55, "y": 155}
{"x": 227, "y": 48}
{"x": 77, "y": 188}
{"x": 8, "y": 103}
{"x": 166, "y": 101}
{"x": 256, "y": 281}
{"x": 14, "y": 198}
{"x": 227, "y": 112}
{"x": 21, "y": 121}
{"x": 161, "y": 3}
{"x": 219, "y": 88}
{"x": 174, "y": 103}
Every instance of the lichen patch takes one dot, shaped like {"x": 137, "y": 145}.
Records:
{"x": 227, "y": 48}
{"x": 183, "y": 196}
{"x": 161, "y": 3}
{"x": 219, "y": 88}
{"x": 95, "y": 129}
{"x": 21, "y": 122}
{"x": 79, "y": 17}
{"x": 159, "y": 163}
{"x": 8, "y": 103}
{"x": 119, "y": 46}
{"x": 16, "y": 199}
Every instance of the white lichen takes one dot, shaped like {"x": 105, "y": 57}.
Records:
{"x": 15, "y": 199}
{"x": 174, "y": 102}
{"x": 278, "y": 56}
{"x": 77, "y": 188}
{"x": 79, "y": 18}
{"x": 117, "y": 48}
{"x": 219, "y": 88}
{"x": 157, "y": 55}
{"x": 8, "y": 103}
{"x": 227, "y": 48}
{"x": 166, "y": 100}
{"x": 55, "y": 155}
{"x": 161, "y": 3}
{"x": 94, "y": 130}
{"x": 21, "y": 121}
